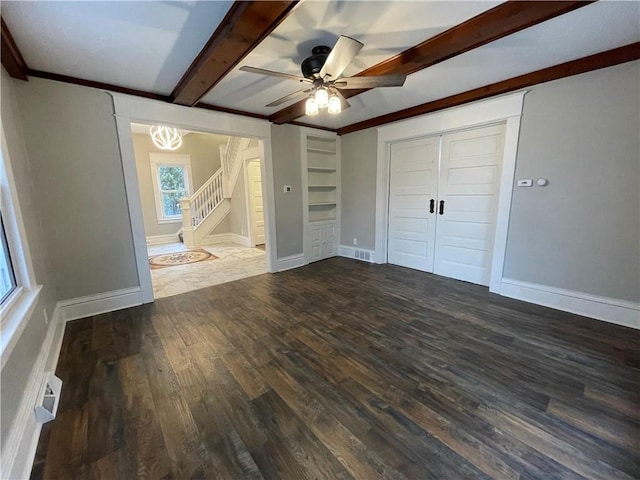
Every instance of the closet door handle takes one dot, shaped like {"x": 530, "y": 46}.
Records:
{"x": 441, "y": 209}
{"x": 432, "y": 206}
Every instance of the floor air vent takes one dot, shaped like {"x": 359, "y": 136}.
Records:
{"x": 363, "y": 255}
{"x": 49, "y": 397}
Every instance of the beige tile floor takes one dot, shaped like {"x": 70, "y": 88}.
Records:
{"x": 233, "y": 263}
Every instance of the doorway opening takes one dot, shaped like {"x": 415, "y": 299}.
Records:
{"x": 202, "y": 209}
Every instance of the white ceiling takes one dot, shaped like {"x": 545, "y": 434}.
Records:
{"x": 142, "y": 45}
{"x": 149, "y": 45}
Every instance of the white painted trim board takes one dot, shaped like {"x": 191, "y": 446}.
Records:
{"x": 290, "y": 262}
{"x": 619, "y": 312}
{"x": 162, "y": 239}
{"x": 90, "y": 305}
{"x": 19, "y": 450}
{"x": 226, "y": 238}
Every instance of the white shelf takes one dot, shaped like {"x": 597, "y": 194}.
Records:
{"x": 321, "y": 150}
{"x": 321, "y": 169}
{"x": 321, "y": 172}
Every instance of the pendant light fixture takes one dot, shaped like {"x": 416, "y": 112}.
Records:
{"x": 335, "y": 105}
{"x": 166, "y": 138}
{"x": 311, "y": 107}
{"x": 322, "y": 98}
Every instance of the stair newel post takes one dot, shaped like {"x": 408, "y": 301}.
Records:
{"x": 187, "y": 222}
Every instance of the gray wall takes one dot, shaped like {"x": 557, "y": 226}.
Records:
{"x": 205, "y": 161}
{"x": 23, "y": 357}
{"x": 581, "y": 232}
{"x": 76, "y": 169}
{"x": 287, "y": 165}
{"x": 358, "y": 176}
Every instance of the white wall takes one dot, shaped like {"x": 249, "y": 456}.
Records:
{"x": 77, "y": 173}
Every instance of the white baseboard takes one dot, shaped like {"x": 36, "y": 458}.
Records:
{"x": 227, "y": 238}
{"x": 292, "y": 261}
{"x": 162, "y": 239}
{"x": 90, "y": 305}
{"x": 357, "y": 253}
{"x": 620, "y": 312}
{"x": 19, "y": 450}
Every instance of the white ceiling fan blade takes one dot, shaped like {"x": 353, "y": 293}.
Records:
{"x": 286, "y": 98}
{"x": 271, "y": 73}
{"x": 340, "y": 57}
{"x": 371, "y": 81}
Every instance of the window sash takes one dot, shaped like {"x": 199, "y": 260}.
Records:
{"x": 168, "y": 160}
{"x": 7, "y": 272}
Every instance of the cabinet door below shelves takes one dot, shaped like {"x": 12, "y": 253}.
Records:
{"x": 315, "y": 235}
{"x": 322, "y": 240}
{"x": 329, "y": 234}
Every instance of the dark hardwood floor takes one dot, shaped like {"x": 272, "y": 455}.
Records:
{"x": 345, "y": 370}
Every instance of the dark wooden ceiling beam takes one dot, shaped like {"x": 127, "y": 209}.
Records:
{"x": 246, "y": 24}
{"x": 502, "y": 20}
{"x": 609, "y": 58}
{"x": 12, "y": 59}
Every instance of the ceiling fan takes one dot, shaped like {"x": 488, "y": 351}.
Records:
{"x": 322, "y": 72}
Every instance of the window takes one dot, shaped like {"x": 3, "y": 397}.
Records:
{"x": 18, "y": 289}
{"x": 7, "y": 275}
{"x": 171, "y": 175}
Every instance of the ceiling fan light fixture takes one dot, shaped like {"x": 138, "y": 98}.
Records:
{"x": 322, "y": 97}
{"x": 311, "y": 107}
{"x": 335, "y": 105}
{"x": 166, "y": 138}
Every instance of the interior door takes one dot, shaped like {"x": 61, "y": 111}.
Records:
{"x": 412, "y": 190}
{"x": 256, "y": 201}
{"x": 470, "y": 168}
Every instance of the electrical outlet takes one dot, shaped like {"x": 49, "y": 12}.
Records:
{"x": 355, "y": 241}
{"x": 46, "y": 316}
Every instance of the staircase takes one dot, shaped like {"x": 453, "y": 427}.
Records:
{"x": 210, "y": 204}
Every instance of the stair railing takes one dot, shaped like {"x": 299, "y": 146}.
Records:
{"x": 204, "y": 200}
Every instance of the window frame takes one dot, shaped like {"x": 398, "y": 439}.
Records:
{"x": 4, "y": 244}
{"x": 157, "y": 160}
{"x": 18, "y": 307}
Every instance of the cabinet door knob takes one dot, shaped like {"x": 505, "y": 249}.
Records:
{"x": 441, "y": 210}
{"x": 432, "y": 205}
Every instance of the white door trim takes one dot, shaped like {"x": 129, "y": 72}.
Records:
{"x": 134, "y": 109}
{"x": 248, "y": 199}
{"x": 507, "y": 108}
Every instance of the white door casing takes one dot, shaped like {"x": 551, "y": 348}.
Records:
{"x": 134, "y": 109}
{"x": 413, "y": 186}
{"x": 256, "y": 206}
{"x": 470, "y": 168}
{"x": 485, "y": 112}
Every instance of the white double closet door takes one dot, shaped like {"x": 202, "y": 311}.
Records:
{"x": 443, "y": 199}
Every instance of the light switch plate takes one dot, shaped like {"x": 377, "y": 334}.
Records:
{"x": 287, "y": 189}
{"x": 524, "y": 182}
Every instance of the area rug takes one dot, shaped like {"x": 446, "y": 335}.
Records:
{"x": 180, "y": 258}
